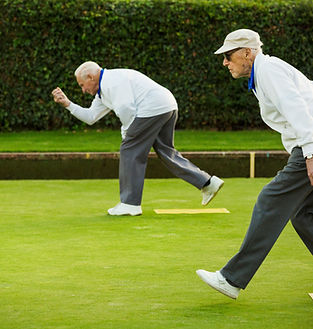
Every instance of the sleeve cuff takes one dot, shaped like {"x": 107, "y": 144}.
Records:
{"x": 70, "y": 107}
{"x": 307, "y": 150}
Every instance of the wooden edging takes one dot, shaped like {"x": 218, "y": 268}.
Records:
{"x": 80, "y": 165}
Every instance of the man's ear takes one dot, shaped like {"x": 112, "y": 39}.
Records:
{"x": 89, "y": 76}
{"x": 248, "y": 52}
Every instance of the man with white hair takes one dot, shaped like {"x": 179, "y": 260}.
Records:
{"x": 285, "y": 97}
{"x": 148, "y": 113}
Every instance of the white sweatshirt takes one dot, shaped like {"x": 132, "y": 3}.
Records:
{"x": 285, "y": 97}
{"x": 129, "y": 94}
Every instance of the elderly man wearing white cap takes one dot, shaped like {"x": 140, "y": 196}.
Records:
{"x": 285, "y": 98}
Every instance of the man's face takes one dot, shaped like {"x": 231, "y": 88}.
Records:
{"x": 89, "y": 85}
{"x": 239, "y": 62}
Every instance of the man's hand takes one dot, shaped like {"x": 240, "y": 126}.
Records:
{"x": 60, "y": 97}
{"x": 309, "y": 167}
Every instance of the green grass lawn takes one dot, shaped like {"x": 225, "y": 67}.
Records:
{"x": 109, "y": 141}
{"x": 66, "y": 264}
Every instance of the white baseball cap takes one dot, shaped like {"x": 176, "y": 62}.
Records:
{"x": 242, "y": 38}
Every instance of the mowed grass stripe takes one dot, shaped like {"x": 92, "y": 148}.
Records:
{"x": 92, "y": 140}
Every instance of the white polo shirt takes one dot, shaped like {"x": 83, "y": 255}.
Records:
{"x": 129, "y": 94}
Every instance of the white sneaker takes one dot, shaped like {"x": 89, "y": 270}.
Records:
{"x": 217, "y": 281}
{"x": 209, "y": 191}
{"x": 125, "y": 209}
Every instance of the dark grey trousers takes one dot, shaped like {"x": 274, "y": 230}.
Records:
{"x": 288, "y": 196}
{"x": 156, "y": 132}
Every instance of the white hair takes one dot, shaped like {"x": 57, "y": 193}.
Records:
{"x": 256, "y": 51}
{"x": 86, "y": 68}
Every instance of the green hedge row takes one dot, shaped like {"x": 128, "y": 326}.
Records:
{"x": 43, "y": 41}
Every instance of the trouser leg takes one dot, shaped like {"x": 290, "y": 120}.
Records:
{"x": 277, "y": 203}
{"x": 173, "y": 160}
{"x": 134, "y": 153}
{"x": 303, "y": 222}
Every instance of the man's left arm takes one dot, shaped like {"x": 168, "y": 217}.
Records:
{"x": 123, "y": 101}
{"x": 282, "y": 91}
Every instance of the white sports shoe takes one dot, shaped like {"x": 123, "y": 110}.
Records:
{"x": 217, "y": 281}
{"x": 125, "y": 209}
{"x": 209, "y": 191}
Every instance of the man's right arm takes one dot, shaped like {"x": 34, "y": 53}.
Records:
{"x": 88, "y": 115}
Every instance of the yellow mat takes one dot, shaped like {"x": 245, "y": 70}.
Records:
{"x": 193, "y": 211}
{"x": 311, "y": 295}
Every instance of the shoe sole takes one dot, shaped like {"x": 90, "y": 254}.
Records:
{"x": 203, "y": 278}
{"x": 204, "y": 204}
{"x": 125, "y": 214}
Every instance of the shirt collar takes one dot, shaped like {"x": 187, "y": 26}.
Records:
{"x": 100, "y": 78}
{"x": 251, "y": 84}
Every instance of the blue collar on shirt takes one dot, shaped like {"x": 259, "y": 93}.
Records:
{"x": 100, "y": 78}
{"x": 251, "y": 84}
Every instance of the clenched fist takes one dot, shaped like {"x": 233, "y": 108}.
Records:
{"x": 60, "y": 97}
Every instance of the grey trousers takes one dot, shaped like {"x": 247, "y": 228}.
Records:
{"x": 156, "y": 132}
{"x": 288, "y": 196}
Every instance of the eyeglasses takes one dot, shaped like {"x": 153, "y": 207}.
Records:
{"x": 229, "y": 54}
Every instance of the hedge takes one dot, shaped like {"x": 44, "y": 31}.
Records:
{"x": 171, "y": 41}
